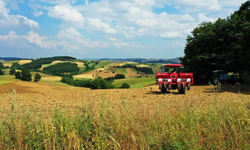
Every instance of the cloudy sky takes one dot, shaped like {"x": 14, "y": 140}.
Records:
{"x": 104, "y": 28}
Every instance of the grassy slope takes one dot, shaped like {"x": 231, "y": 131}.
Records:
{"x": 134, "y": 82}
{"x": 7, "y": 79}
{"x": 102, "y": 63}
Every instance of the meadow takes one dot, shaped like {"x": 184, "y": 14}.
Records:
{"x": 53, "y": 115}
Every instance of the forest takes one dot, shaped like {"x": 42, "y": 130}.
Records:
{"x": 222, "y": 45}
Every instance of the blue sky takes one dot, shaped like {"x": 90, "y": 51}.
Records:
{"x": 104, "y": 28}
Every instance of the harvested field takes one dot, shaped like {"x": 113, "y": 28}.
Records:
{"x": 136, "y": 116}
{"x": 87, "y": 75}
{"x": 7, "y": 64}
{"x": 43, "y": 94}
{"x": 21, "y": 62}
{"x": 140, "y": 66}
{"x": 132, "y": 72}
{"x": 52, "y": 78}
{"x": 106, "y": 74}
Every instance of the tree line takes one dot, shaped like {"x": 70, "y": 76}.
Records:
{"x": 222, "y": 45}
{"x": 146, "y": 70}
{"x": 36, "y": 64}
{"x": 62, "y": 68}
{"x": 98, "y": 83}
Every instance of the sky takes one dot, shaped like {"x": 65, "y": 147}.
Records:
{"x": 104, "y": 28}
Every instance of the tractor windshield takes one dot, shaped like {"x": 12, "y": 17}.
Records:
{"x": 172, "y": 69}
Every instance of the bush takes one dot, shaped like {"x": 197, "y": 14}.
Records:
{"x": 37, "y": 77}
{"x": 16, "y": 66}
{"x": 1, "y": 65}
{"x": 125, "y": 86}
{"x": 18, "y": 75}
{"x": 12, "y": 71}
{"x": 1, "y": 71}
{"x": 119, "y": 76}
{"x": 25, "y": 75}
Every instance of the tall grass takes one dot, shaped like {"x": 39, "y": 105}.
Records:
{"x": 187, "y": 126}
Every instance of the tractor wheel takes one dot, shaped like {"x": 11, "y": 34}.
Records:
{"x": 164, "y": 88}
{"x": 182, "y": 90}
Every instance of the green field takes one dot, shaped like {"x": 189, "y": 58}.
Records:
{"x": 134, "y": 82}
{"x": 102, "y": 63}
{"x": 7, "y": 79}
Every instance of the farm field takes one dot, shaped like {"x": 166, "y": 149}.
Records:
{"x": 135, "y": 116}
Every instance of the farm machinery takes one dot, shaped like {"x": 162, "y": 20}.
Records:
{"x": 171, "y": 78}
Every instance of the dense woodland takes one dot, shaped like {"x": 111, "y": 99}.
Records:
{"x": 61, "y": 68}
{"x": 36, "y": 64}
{"x": 146, "y": 70}
{"x": 224, "y": 44}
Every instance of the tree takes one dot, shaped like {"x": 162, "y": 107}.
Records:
{"x": 18, "y": 75}
{"x": 26, "y": 75}
{"x": 12, "y": 71}
{"x": 37, "y": 77}
{"x": 125, "y": 86}
{"x": 1, "y": 71}
{"x": 119, "y": 76}
{"x": 224, "y": 44}
{"x": 16, "y": 65}
{"x": 1, "y": 65}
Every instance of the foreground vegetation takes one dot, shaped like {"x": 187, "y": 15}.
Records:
{"x": 219, "y": 125}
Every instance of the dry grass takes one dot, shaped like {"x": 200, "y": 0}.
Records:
{"x": 125, "y": 119}
{"x": 140, "y": 66}
{"x": 22, "y": 62}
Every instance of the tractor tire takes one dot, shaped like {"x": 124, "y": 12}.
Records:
{"x": 182, "y": 90}
{"x": 164, "y": 89}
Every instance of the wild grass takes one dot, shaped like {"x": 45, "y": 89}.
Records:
{"x": 7, "y": 79}
{"x": 106, "y": 126}
{"x": 134, "y": 82}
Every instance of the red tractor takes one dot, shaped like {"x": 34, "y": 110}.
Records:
{"x": 172, "y": 78}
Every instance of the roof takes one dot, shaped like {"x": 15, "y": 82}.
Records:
{"x": 174, "y": 65}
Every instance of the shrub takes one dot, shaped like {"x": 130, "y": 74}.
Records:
{"x": 1, "y": 71}
{"x": 119, "y": 76}
{"x": 25, "y": 75}
{"x": 125, "y": 86}
{"x": 37, "y": 77}
{"x": 18, "y": 75}
{"x": 12, "y": 71}
{"x": 16, "y": 66}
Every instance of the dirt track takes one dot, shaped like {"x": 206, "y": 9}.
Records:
{"x": 48, "y": 96}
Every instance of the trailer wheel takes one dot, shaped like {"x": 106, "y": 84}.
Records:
{"x": 164, "y": 88}
{"x": 182, "y": 90}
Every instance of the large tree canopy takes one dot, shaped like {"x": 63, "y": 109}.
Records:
{"x": 224, "y": 44}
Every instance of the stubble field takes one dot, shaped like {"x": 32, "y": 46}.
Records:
{"x": 58, "y": 116}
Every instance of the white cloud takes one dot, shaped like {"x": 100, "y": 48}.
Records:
{"x": 96, "y": 24}
{"x": 66, "y": 13}
{"x": 9, "y": 37}
{"x": 193, "y": 5}
{"x": 34, "y": 38}
{"x": 7, "y": 20}
{"x": 203, "y": 18}
{"x": 38, "y": 13}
